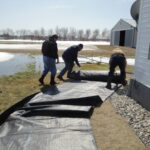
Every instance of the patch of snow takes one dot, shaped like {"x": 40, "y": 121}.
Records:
{"x": 60, "y": 42}
{"x": 84, "y": 42}
{"x": 62, "y": 45}
{"x": 20, "y": 46}
{"x": 105, "y": 60}
{"x": 5, "y": 56}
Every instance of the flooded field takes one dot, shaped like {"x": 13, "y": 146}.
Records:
{"x": 11, "y": 63}
{"x": 18, "y": 63}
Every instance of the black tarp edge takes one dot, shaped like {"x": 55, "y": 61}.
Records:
{"x": 91, "y": 100}
{"x": 11, "y": 109}
{"x": 82, "y": 101}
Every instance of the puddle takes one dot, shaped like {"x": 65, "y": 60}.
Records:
{"x": 12, "y": 63}
{"x": 19, "y": 62}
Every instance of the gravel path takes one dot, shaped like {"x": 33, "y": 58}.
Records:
{"x": 137, "y": 117}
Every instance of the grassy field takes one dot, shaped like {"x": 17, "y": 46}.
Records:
{"x": 111, "y": 131}
{"x": 16, "y": 87}
{"x": 106, "y": 50}
{"x": 103, "y": 50}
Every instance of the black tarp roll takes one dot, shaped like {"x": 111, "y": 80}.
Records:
{"x": 94, "y": 76}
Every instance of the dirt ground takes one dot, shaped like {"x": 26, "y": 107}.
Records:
{"x": 112, "y": 132}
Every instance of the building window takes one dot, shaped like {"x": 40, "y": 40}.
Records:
{"x": 149, "y": 52}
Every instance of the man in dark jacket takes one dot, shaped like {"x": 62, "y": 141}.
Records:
{"x": 70, "y": 56}
{"x": 117, "y": 59}
{"x": 50, "y": 54}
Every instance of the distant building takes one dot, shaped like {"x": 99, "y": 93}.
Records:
{"x": 139, "y": 88}
{"x": 124, "y": 33}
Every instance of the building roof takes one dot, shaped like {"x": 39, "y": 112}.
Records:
{"x": 124, "y": 24}
{"x": 130, "y": 21}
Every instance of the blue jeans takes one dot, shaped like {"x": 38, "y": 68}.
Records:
{"x": 49, "y": 65}
{"x": 68, "y": 67}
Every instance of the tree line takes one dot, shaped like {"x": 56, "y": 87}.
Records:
{"x": 64, "y": 33}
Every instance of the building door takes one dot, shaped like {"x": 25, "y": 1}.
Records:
{"x": 116, "y": 38}
{"x": 122, "y": 38}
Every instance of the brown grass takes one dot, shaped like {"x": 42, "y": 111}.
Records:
{"x": 103, "y": 50}
{"x": 106, "y": 50}
{"x": 112, "y": 132}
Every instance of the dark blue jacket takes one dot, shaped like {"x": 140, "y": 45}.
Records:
{"x": 71, "y": 54}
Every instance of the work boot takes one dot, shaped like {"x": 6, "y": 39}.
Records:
{"x": 60, "y": 78}
{"x": 108, "y": 86}
{"x": 52, "y": 82}
{"x": 41, "y": 79}
{"x": 124, "y": 83}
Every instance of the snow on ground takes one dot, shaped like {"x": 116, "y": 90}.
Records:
{"x": 59, "y": 42}
{"x": 62, "y": 45}
{"x": 105, "y": 60}
{"x": 82, "y": 59}
{"x": 21, "y": 46}
{"x": 5, "y": 56}
{"x": 88, "y": 45}
{"x": 20, "y": 41}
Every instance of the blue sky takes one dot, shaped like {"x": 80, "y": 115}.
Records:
{"x": 80, "y": 14}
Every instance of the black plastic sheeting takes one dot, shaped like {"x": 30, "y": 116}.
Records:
{"x": 55, "y": 119}
{"x": 94, "y": 76}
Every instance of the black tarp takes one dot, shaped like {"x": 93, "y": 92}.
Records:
{"x": 55, "y": 119}
{"x": 94, "y": 76}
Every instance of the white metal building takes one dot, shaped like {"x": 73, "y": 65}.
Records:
{"x": 124, "y": 33}
{"x": 140, "y": 85}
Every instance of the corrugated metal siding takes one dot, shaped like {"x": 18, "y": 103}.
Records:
{"x": 122, "y": 25}
{"x": 142, "y": 63}
{"x": 117, "y": 37}
{"x": 129, "y": 34}
{"x": 112, "y": 38}
{"x": 135, "y": 37}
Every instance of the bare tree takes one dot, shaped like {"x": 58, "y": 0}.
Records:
{"x": 80, "y": 34}
{"x": 57, "y": 30}
{"x": 106, "y": 34}
{"x": 36, "y": 34}
{"x": 7, "y": 33}
{"x": 87, "y": 34}
{"x": 42, "y": 33}
{"x": 96, "y": 34}
{"x": 50, "y": 32}
{"x": 64, "y": 33}
{"x": 72, "y": 34}
{"x": 22, "y": 33}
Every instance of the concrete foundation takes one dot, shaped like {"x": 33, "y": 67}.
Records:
{"x": 140, "y": 93}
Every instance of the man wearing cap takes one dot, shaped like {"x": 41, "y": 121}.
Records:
{"x": 70, "y": 56}
{"x": 50, "y": 54}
